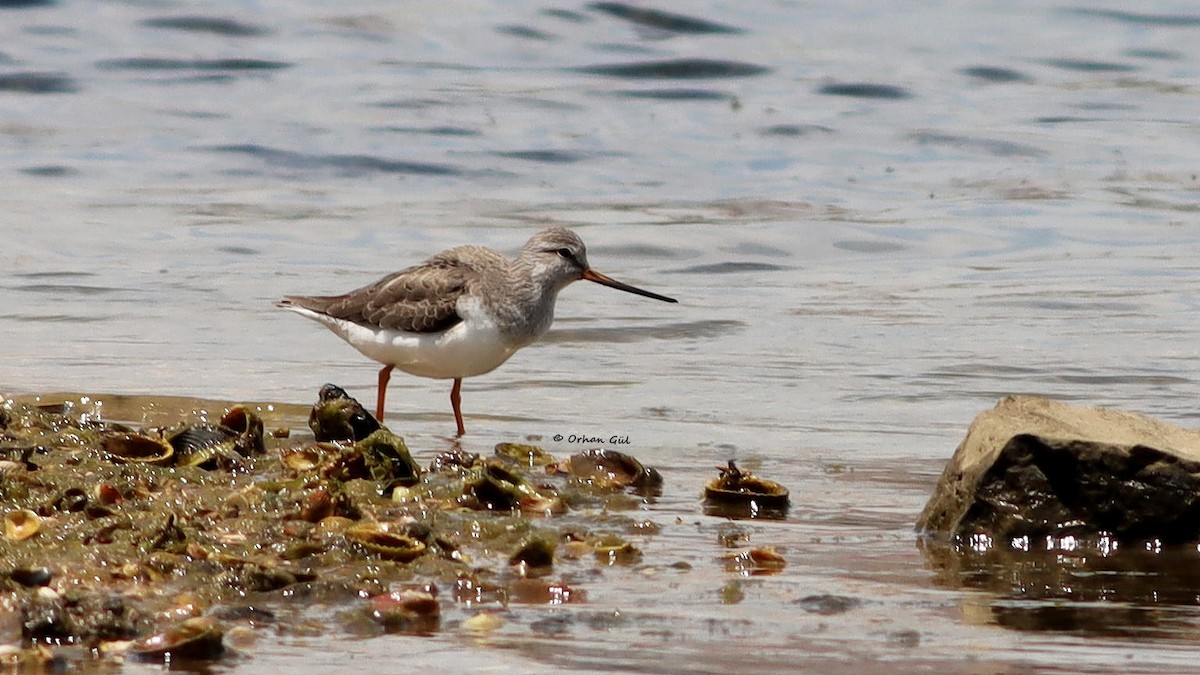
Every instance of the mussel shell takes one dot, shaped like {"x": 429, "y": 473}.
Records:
{"x": 336, "y": 416}
{"x": 528, "y": 455}
{"x": 21, "y": 524}
{"x": 106, "y": 494}
{"x": 760, "y": 490}
{"x": 739, "y": 494}
{"x": 195, "y": 444}
{"x": 387, "y": 459}
{"x": 31, "y": 577}
{"x": 495, "y": 488}
{"x": 128, "y": 448}
{"x": 71, "y": 500}
{"x": 194, "y": 638}
{"x": 387, "y": 545}
{"x": 302, "y": 458}
{"x": 249, "y": 429}
{"x": 612, "y": 469}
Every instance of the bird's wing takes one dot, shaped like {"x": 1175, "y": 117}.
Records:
{"x": 419, "y": 299}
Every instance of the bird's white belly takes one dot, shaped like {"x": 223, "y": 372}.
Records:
{"x": 469, "y": 348}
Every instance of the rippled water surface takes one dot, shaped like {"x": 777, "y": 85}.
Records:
{"x": 879, "y": 218}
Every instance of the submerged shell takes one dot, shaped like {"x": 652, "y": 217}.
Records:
{"x": 755, "y": 561}
{"x": 536, "y": 552}
{"x": 387, "y": 545}
{"x": 129, "y": 448}
{"x": 302, "y": 458}
{"x": 613, "y": 550}
{"x": 409, "y": 610}
{"x": 457, "y": 461}
{"x": 21, "y": 524}
{"x": 193, "y": 638}
{"x": 542, "y": 591}
{"x": 317, "y": 506}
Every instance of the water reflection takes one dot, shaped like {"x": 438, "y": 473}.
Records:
{"x": 1093, "y": 587}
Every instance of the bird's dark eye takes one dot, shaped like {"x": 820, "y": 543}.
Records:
{"x": 566, "y": 253}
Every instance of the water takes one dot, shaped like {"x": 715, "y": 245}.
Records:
{"x": 878, "y": 219}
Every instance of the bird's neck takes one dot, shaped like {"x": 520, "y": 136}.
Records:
{"x": 528, "y": 307}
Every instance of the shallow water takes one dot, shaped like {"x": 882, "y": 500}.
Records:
{"x": 878, "y": 220}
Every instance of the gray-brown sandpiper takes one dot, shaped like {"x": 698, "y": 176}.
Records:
{"x": 461, "y": 313}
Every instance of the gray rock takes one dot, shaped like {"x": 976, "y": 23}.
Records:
{"x": 1036, "y": 468}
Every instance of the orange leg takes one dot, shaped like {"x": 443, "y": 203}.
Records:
{"x": 456, "y": 402}
{"x": 385, "y": 374}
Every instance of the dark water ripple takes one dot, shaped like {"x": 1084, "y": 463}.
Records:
{"x": 665, "y": 21}
{"x": 56, "y": 318}
{"x": 865, "y": 90}
{"x": 731, "y": 268}
{"x": 239, "y": 250}
{"x": 53, "y": 275}
{"x": 69, "y": 289}
{"x": 38, "y": 83}
{"x": 525, "y": 32}
{"x": 985, "y": 145}
{"x": 1152, "y": 380}
{"x": 163, "y": 63}
{"x": 49, "y": 171}
{"x": 351, "y": 165}
{"x": 206, "y": 24}
{"x": 676, "y": 94}
{"x": 20, "y": 4}
{"x": 1135, "y": 18}
{"x": 828, "y": 604}
{"x": 1155, "y": 54}
{"x": 415, "y": 104}
{"x": 794, "y": 130}
{"x": 1064, "y": 119}
{"x": 865, "y": 246}
{"x": 683, "y": 69}
{"x": 566, "y": 15}
{"x": 1089, "y": 66}
{"x": 996, "y": 75}
{"x": 433, "y": 131}
{"x": 547, "y": 156}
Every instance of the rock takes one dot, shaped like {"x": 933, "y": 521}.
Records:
{"x": 1036, "y": 468}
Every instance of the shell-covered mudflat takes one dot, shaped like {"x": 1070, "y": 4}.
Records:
{"x": 185, "y": 541}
